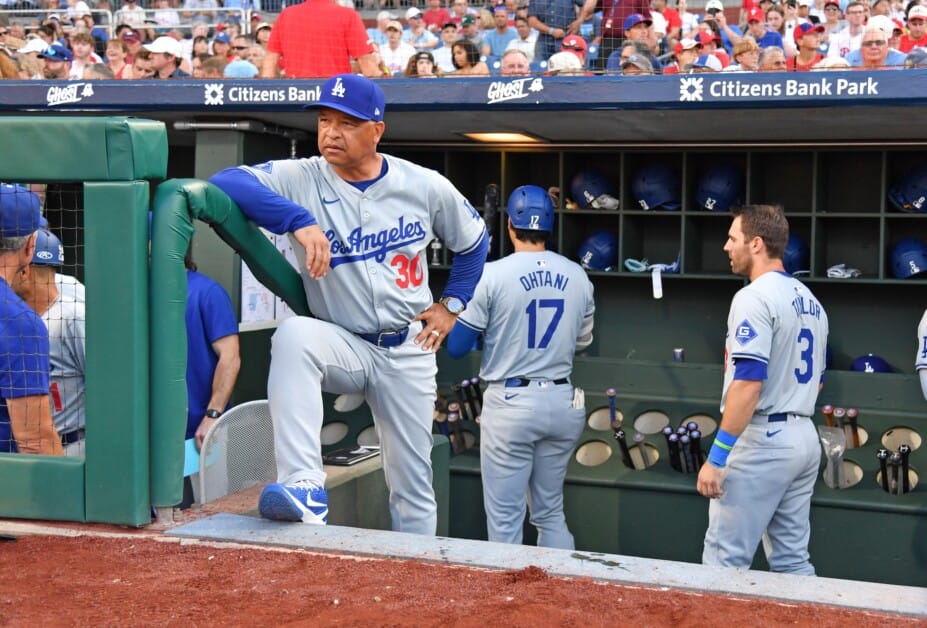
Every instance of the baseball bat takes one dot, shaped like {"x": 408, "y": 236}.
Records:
{"x": 895, "y": 462}
{"x": 473, "y": 398}
{"x": 623, "y": 445}
{"x": 612, "y": 408}
{"x": 695, "y": 445}
{"x": 457, "y": 442}
{"x": 667, "y": 431}
{"x": 828, "y": 412}
{"x": 904, "y": 451}
{"x": 475, "y": 382}
{"x": 642, "y": 449}
{"x": 691, "y": 426}
{"x": 882, "y": 455}
{"x": 852, "y": 419}
{"x": 681, "y": 430}
{"x": 684, "y": 446}
{"x": 839, "y": 415}
{"x": 441, "y": 422}
{"x": 461, "y": 401}
{"x": 490, "y": 214}
{"x": 469, "y": 399}
{"x": 672, "y": 447}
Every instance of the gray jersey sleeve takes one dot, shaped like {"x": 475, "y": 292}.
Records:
{"x": 920, "y": 359}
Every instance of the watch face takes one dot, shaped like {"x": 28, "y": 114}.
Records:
{"x": 453, "y": 305}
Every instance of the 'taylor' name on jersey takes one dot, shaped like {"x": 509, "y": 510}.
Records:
{"x": 359, "y": 246}
{"x": 806, "y": 306}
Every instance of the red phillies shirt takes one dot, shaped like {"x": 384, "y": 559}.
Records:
{"x": 793, "y": 65}
{"x": 318, "y": 38}
{"x": 907, "y": 44}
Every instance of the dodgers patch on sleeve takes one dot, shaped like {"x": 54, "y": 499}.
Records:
{"x": 267, "y": 167}
{"x": 745, "y": 332}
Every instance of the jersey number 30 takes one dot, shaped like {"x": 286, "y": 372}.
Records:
{"x": 533, "y": 313}
{"x": 804, "y": 372}
{"x": 409, "y": 271}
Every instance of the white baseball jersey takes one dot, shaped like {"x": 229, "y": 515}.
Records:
{"x": 777, "y": 320}
{"x": 378, "y": 278}
{"x": 920, "y": 360}
{"x": 531, "y": 308}
{"x": 69, "y": 286}
{"x": 65, "y": 321}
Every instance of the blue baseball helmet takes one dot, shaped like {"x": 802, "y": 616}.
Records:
{"x": 795, "y": 256}
{"x": 909, "y": 258}
{"x": 910, "y": 194}
{"x": 657, "y": 186}
{"x": 870, "y": 363}
{"x": 591, "y": 190}
{"x": 599, "y": 251}
{"x": 530, "y": 208}
{"x": 720, "y": 188}
{"x": 48, "y": 249}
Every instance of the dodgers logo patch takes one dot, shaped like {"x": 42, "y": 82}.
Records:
{"x": 745, "y": 332}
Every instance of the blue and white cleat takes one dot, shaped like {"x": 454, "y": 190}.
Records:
{"x": 303, "y": 501}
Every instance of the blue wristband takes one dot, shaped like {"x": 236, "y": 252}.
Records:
{"x": 721, "y": 448}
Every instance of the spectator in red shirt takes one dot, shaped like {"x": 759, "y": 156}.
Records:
{"x": 435, "y": 16}
{"x": 685, "y": 52}
{"x": 673, "y": 21}
{"x": 317, "y": 39}
{"x": 614, "y": 15}
{"x": 807, "y": 39}
{"x": 916, "y": 37}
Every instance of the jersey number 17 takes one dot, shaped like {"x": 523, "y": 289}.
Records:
{"x": 533, "y": 314}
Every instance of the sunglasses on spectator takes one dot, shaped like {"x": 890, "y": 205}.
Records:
{"x": 4, "y": 33}
{"x": 874, "y": 42}
{"x": 239, "y": 47}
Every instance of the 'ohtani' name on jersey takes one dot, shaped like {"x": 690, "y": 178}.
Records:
{"x": 359, "y": 246}
{"x": 806, "y": 307}
{"x": 543, "y": 279}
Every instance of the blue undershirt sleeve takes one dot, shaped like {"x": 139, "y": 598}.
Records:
{"x": 462, "y": 340}
{"x": 466, "y": 270}
{"x": 270, "y": 210}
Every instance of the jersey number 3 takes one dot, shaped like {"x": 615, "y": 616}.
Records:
{"x": 533, "y": 312}
{"x": 806, "y": 339}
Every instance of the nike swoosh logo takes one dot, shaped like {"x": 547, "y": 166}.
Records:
{"x": 328, "y": 202}
{"x": 770, "y": 434}
{"x": 512, "y": 396}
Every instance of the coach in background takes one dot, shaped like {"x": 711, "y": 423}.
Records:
{"x": 64, "y": 317}
{"x": 761, "y": 469}
{"x": 920, "y": 360}
{"x": 25, "y": 417}
{"x": 534, "y": 309}
{"x": 166, "y": 54}
{"x": 360, "y": 222}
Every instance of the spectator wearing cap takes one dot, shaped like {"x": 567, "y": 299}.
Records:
{"x": 377, "y": 33}
{"x": 396, "y": 53}
{"x": 130, "y": 13}
{"x": 833, "y": 18}
{"x": 757, "y": 29}
{"x": 435, "y": 16}
{"x": 916, "y": 37}
{"x": 684, "y": 52}
{"x": 916, "y": 59}
{"x": 705, "y": 64}
{"x": 240, "y": 69}
{"x": 25, "y": 413}
{"x": 526, "y": 38}
{"x": 897, "y": 32}
{"x": 746, "y": 57}
{"x": 318, "y": 38}
{"x": 417, "y": 35}
{"x": 133, "y": 42}
{"x": 497, "y": 40}
{"x": 165, "y": 54}
{"x": 422, "y": 65}
{"x": 57, "y": 62}
{"x": 576, "y": 45}
{"x": 715, "y": 20}
{"x": 615, "y": 14}
{"x": 807, "y": 39}
{"x": 563, "y": 64}
{"x": 469, "y": 29}
{"x": 849, "y": 39}
{"x": 636, "y": 65}
{"x": 466, "y": 59}
{"x": 772, "y": 59}
{"x": 712, "y": 45}
{"x": 618, "y": 57}
{"x": 262, "y": 33}
{"x": 874, "y": 52}
{"x": 804, "y": 12}
{"x": 222, "y": 45}
{"x": 443, "y": 54}
{"x": 514, "y": 62}
{"x": 554, "y": 20}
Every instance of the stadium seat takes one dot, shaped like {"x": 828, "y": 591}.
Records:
{"x": 537, "y": 67}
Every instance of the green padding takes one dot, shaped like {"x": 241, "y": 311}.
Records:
{"x": 116, "y": 223}
{"x": 41, "y": 487}
{"x": 90, "y": 149}
{"x": 177, "y": 203}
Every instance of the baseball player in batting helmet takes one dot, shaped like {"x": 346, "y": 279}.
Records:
{"x": 534, "y": 309}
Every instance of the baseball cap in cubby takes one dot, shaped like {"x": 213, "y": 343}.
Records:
{"x": 20, "y": 211}
{"x": 354, "y": 95}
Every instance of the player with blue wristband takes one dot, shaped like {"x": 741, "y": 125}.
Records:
{"x": 762, "y": 466}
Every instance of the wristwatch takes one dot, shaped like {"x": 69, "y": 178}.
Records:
{"x": 212, "y": 413}
{"x": 454, "y": 305}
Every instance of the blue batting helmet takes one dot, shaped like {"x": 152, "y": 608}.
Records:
{"x": 657, "y": 186}
{"x": 591, "y": 190}
{"x": 870, "y": 363}
{"x": 795, "y": 256}
{"x": 48, "y": 249}
{"x": 599, "y": 251}
{"x": 720, "y": 188}
{"x": 910, "y": 194}
{"x": 909, "y": 258}
{"x": 530, "y": 208}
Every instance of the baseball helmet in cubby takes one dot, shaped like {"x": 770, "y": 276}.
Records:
{"x": 599, "y": 251}
{"x": 591, "y": 190}
{"x": 720, "y": 188}
{"x": 909, "y": 258}
{"x": 910, "y": 193}
{"x": 657, "y": 186}
{"x": 795, "y": 256}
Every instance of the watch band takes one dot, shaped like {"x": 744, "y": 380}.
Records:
{"x": 212, "y": 413}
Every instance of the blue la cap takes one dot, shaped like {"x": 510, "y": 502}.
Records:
{"x": 222, "y": 38}
{"x": 57, "y": 52}
{"x": 19, "y": 211}
{"x": 354, "y": 95}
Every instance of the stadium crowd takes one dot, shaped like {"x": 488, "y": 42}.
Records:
{"x": 210, "y": 39}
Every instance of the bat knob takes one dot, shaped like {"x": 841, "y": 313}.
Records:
{"x": 611, "y": 392}
{"x": 827, "y": 408}
{"x": 852, "y": 413}
{"x": 904, "y": 448}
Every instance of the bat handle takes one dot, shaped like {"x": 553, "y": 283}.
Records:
{"x": 612, "y": 408}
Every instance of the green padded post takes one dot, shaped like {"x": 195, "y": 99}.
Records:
{"x": 41, "y": 487}
{"x": 116, "y": 223}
